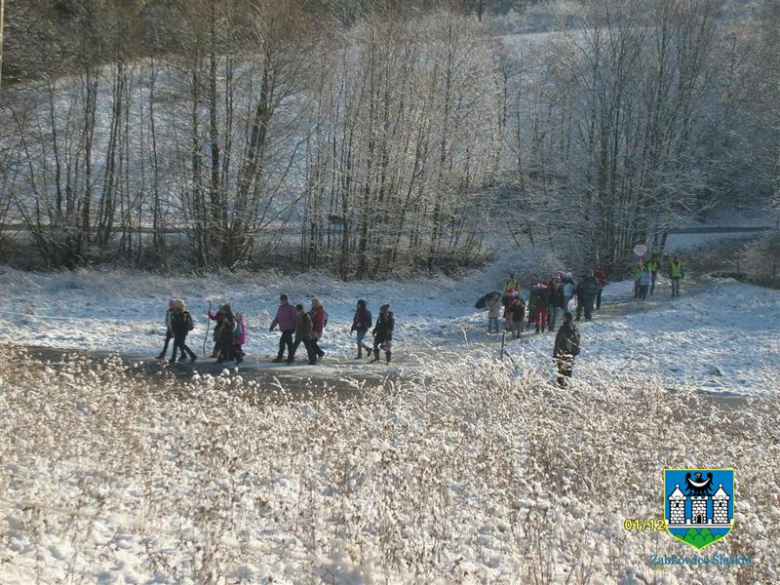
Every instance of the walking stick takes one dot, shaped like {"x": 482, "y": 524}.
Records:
{"x": 503, "y": 342}
{"x": 208, "y": 328}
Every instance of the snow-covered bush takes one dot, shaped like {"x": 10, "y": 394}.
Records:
{"x": 476, "y": 471}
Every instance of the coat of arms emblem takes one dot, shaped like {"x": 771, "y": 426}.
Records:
{"x": 699, "y": 504}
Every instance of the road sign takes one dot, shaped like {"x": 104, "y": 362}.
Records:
{"x": 640, "y": 250}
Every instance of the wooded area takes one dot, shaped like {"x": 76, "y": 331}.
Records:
{"x": 383, "y": 134}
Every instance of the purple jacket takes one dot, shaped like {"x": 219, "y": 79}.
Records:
{"x": 286, "y": 318}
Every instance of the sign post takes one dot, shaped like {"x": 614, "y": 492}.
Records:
{"x": 640, "y": 249}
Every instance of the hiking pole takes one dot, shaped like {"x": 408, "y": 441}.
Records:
{"x": 208, "y": 328}
{"x": 503, "y": 342}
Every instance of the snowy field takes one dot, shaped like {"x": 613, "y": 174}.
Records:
{"x": 474, "y": 474}
{"x": 458, "y": 468}
{"x": 719, "y": 336}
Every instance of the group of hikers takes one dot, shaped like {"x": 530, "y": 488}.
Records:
{"x": 646, "y": 275}
{"x": 297, "y": 327}
{"x": 550, "y": 299}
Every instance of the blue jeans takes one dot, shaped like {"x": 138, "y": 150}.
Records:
{"x": 360, "y": 336}
{"x": 493, "y": 322}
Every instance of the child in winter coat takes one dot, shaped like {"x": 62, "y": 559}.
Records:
{"x": 303, "y": 334}
{"x": 318, "y": 317}
{"x": 383, "y": 333}
{"x": 181, "y": 325}
{"x": 362, "y": 323}
{"x": 239, "y": 338}
{"x": 509, "y": 302}
{"x": 224, "y": 335}
{"x": 168, "y": 330}
{"x": 518, "y": 317}
{"x": 219, "y": 317}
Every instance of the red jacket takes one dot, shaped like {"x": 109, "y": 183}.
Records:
{"x": 318, "y": 318}
{"x": 600, "y": 275}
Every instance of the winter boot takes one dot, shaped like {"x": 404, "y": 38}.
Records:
{"x": 279, "y": 359}
{"x": 360, "y": 354}
{"x": 193, "y": 358}
{"x": 161, "y": 356}
{"x": 376, "y": 357}
{"x": 388, "y": 354}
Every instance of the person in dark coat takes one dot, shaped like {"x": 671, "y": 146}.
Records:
{"x": 219, "y": 317}
{"x": 362, "y": 323}
{"x": 383, "y": 333}
{"x": 557, "y": 304}
{"x": 303, "y": 334}
{"x": 287, "y": 320}
{"x": 225, "y": 334}
{"x": 518, "y": 317}
{"x": 181, "y": 325}
{"x": 588, "y": 290}
{"x": 566, "y": 348}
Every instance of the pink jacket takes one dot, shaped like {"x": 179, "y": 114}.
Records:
{"x": 241, "y": 339}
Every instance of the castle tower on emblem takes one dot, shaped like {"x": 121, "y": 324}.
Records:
{"x": 720, "y": 506}
{"x": 677, "y": 506}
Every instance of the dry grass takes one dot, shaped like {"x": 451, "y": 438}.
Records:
{"x": 472, "y": 474}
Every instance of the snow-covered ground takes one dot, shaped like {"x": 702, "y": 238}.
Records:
{"x": 460, "y": 468}
{"x": 719, "y": 335}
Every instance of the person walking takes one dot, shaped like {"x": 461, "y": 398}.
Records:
{"x": 654, "y": 265}
{"x": 637, "y": 274}
{"x": 566, "y": 348}
{"x": 383, "y": 333}
{"x": 676, "y": 274}
{"x": 168, "y": 330}
{"x": 181, "y": 325}
{"x": 518, "y": 317}
{"x": 588, "y": 290}
{"x": 287, "y": 320}
{"x": 320, "y": 318}
{"x": 361, "y": 323}
{"x": 225, "y": 335}
{"x": 569, "y": 286}
{"x": 219, "y": 317}
{"x": 511, "y": 285}
{"x": 540, "y": 298}
{"x": 239, "y": 338}
{"x": 557, "y": 304}
{"x": 494, "y": 310}
{"x": 645, "y": 277}
{"x": 601, "y": 277}
{"x": 304, "y": 331}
